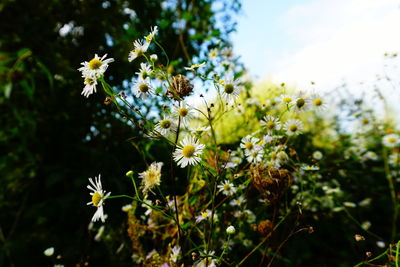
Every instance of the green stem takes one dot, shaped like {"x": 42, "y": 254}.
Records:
{"x": 397, "y": 253}
{"x": 392, "y": 195}
{"x": 371, "y": 260}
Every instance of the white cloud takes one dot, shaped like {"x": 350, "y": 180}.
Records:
{"x": 342, "y": 39}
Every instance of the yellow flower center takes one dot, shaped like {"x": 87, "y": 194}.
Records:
{"x": 270, "y": 125}
{"x": 204, "y": 214}
{"x": 273, "y": 155}
{"x": 229, "y": 88}
{"x": 248, "y": 145}
{"x": 95, "y": 64}
{"x": 392, "y": 140}
{"x": 143, "y": 88}
{"x": 317, "y": 102}
{"x": 188, "y": 151}
{"x": 96, "y": 198}
{"x": 287, "y": 100}
{"x": 183, "y": 112}
{"x": 293, "y": 128}
{"x": 89, "y": 81}
{"x": 227, "y": 187}
{"x": 165, "y": 124}
{"x": 138, "y": 52}
{"x": 300, "y": 102}
{"x": 365, "y": 121}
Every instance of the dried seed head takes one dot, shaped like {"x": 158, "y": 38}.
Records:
{"x": 265, "y": 227}
{"x": 271, "y": 183}
{"x": 359, "y": 238}
{"x": 180, "y": 87}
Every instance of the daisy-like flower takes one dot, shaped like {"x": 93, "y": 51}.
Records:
{"x": 143, "y": 88}
{"x": 196, "y": 66}
{"x": 95, "y": 67}
{"x": 90, "y": 86}
{"x": 310, "y": 168}
{"x": 293, "y": 127}
{"x": 175, "y": 251}
{"x": 139, "y": 50}
{"x": 255, "y": 155}
{"x": 391, "y": 140}
{"x": 153, "y": 57}
{"x": 199, "y": 131}
{"x": 371, "y": 155}
{"x": 98, "y": 197}
{"x": 301, "y": 103}
{"x": 165, "y": 126}
{"x": 287, "y": 99}
{"x": 318, "y": 102}
{"x": 150, "y": 36}
{"x": 151, "y": 177}
{"x": 230, "y": 90}
{"x": 183, "y": 111}
{"x": 206, "y": 260}
{"x": 213, "y": 53}
{"x": 249, "y": 143}
{"x": 145, "y": 71}
{"x": 188, "y": 152}
{"x": 394, "y": 159}
{"x": 271, "y": 124}
{"x": 317, "y": 155}
{"x": 204, "y": 215}
{"x": 238, "y": 202}
{"x": 227, "y": 188}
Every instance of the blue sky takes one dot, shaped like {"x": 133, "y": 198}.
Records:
{"x": 325, "y": 41}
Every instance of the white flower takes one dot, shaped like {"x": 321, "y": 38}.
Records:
{"x": 188, "y": 152}
{"x": 175, "y": 253}
{"x": 153, "y": 57}
{"x": 287, "y": 99}
{"x": 150, "y": 36}
{"x": 249, "y": 143}
{"x": 98, "y": 197}
{"x": 255, "y": 155}
{"x": 204, "y": 215}
{"x": 206, "y": 261}
{"x": 317, "y": 155}
{"x": 349, "y": 204}
{"x": 165, "y": 126}
{"x": 183, "y": 111}
{"x": 318, "y": 102}
{"x": 293, "y": 127}
{"x": 230, "y": 230}
{"x": 196, "y": 66}
{"x": 199, "y": 131}
{"x": 95, "y": 67}
{"x": 371, "y": 155}
{"x": 147, "y": 207}
{"x": 310, "y": 168}
{"x": 271, "y": 124}
{"x": 301, "y": 103}
{"x": 394, "y": 159}
{"x": 90, "y": 86}
{"x": 380, "y": 244}
{"x": 227, "y": 188}
{"x": 151, "y": 177}
{"x": 391, "y": 140}
{"x": 139, "y": 50}
{"x": 49, "y": 252}
{"x": 213, "y": 53}
{"x": 233, "y": 162}
{"x": 238, "y": 202}
{"x": 145, "y": 71}
{"x": 143, "y": 87}
{"x": 126, "y": 207}
{"x": 230, "y": 90}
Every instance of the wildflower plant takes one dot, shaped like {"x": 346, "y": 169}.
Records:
{"x": 254, "y": 186}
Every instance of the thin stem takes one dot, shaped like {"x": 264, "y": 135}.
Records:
{"x": 392, "y": 195}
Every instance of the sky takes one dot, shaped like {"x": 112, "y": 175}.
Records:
{"x": 325, "y": 41}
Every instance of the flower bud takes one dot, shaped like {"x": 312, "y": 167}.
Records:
{"x": 230, "y": 230}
